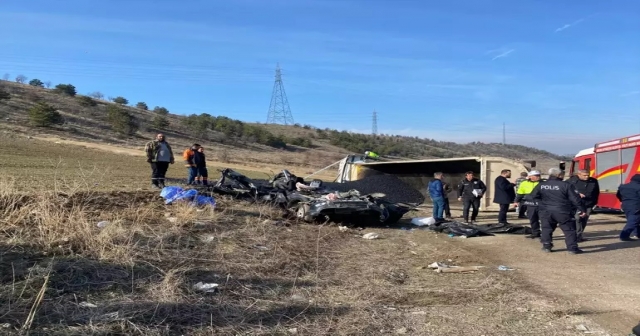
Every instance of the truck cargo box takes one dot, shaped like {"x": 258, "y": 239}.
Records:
{"x": 418, "y": 173}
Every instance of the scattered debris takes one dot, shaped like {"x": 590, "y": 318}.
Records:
{"x": 293, "y": 331}
{"x": 582, "y": 327}
{"x": 87, "y": 305}
{"x": 505, "y": 268}
{"x": 207, "y": 238}
{"x": 172, "y": 219}
{"x": 401, "y": 331}
{"x": 343, "y": 228}
{"x": 103, "y": 224}
{"x": 206, "y": 287}
{"x": 423, "y": 221}
{"x": 260, "y": 247}
{"x": 443, "y": 268}
{"x": 6, "y": 325}
{"x": 371, "y": 235}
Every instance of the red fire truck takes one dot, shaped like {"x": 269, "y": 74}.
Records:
{"x": 612, "y": 163}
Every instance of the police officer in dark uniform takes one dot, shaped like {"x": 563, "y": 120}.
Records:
{"x": 558, "y": 202}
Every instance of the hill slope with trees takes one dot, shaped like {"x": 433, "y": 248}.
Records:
{"x": 35, "y": 107}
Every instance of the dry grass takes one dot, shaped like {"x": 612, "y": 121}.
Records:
{"x": 60, "y": 274}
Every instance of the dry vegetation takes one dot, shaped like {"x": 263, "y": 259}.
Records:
{"x": 90, "y": 124}
{"x": 61, "y": 274}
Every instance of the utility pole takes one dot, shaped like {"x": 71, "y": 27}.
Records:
{"x": 504, "y": 134}
{"x": 374, "y": 127}
{"x": 279, "y": 110}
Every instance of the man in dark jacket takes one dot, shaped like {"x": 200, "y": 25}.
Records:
{"x": 470, "y": 191}
{"x": 437, "y": 194}
{"x": 629, "y": 196}
{"x": 504, "y": 194}
{"x": 589, "y": 190}
{"x": 636, "y": 330}
{"x": 447, "y": 207}
{"x": 558, "y": 201}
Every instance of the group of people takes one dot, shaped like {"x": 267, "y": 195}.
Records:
{"x": 546, "y": 203}
{"x": 160, "y": 156}
{"x": 196, "y": 163}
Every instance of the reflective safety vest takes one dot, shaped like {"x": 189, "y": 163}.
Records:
{"x": 372, "y": 155}
{"x": 525, "y": 188}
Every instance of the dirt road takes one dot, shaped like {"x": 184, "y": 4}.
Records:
{"x": 604, "y": 282}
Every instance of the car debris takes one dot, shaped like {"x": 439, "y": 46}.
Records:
{"x": 313, "y": 201}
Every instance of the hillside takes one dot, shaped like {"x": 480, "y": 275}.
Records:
{"x": 91, "y": 118}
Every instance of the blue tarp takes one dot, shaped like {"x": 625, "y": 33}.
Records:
{"x": 173, "y": 194}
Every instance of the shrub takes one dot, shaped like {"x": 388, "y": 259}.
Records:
{"x": 44, "y": 115}
{"x": 120, "y": 100}
{"x": 66, "y": 89}
{"x": 86, "y": 101}
{"x": 142, "y": 106}
{"x": 36, "y": 82}
{"x": 121, "y": 121}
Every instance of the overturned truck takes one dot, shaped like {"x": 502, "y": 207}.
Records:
{"x": 418, "y": 173}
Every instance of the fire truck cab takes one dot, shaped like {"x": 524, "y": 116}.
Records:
{"x": 612, "y": 163}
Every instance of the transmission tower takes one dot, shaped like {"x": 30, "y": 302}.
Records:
{"x": 279, "y": 110}
{"x": 504, "y": 134}
{"x": 374, "y": 127}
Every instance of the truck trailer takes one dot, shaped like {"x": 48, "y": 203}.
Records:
{"x": 612, "y": 163}
{"x": 418, "y": 173}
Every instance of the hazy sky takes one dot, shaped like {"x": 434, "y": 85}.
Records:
{"x": 562, "y": 75}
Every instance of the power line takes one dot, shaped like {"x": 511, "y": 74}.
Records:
{"x": 279, "y": 110}
{"x": 374, "y": 127}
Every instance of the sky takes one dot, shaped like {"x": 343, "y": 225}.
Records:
{"x": 559, "y": 75}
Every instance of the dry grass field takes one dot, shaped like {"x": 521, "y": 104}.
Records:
{"x": 61, "y": 274}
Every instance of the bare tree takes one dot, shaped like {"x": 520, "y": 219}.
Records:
{"x": 21, "y": 79}
{"x": 47, "y": 84}
{"x": 6, "y": 77}
{"x": 96, "y": 95}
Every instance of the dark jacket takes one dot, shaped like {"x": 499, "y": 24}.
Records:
{"x": 629, "y": 195}
{"x": 589, "y": 188}
{"x": 504, "y": 191}
{"x": 199, "y": 159}
{"x": 466, "y": 187}
{"x": 436, "y": 189}
{"x": 557, "y": 196}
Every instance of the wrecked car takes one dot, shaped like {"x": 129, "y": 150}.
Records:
{"x": 311, "y": 202}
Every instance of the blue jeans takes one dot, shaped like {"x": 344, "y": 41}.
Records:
{"x": 438, "y": 208}
{"x": 192, "y": 172}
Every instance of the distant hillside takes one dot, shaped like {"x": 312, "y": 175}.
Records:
{"x": 31, "y": 109}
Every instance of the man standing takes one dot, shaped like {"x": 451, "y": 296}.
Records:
{"x": 159, "y": 156}
{"x": 447, "y": 207}
{"x": 629, "y": 196}
{"x": 436, "y": 191}
{"x": 470, "y": 190}
{"x": 520, "y": 206}
{"x": 188, "y": 156}
{"x": 558, "y": 201}
{"x": 589, "y": 190}
{"x": 523, "y": 197}
{"x": 504, "y": 194}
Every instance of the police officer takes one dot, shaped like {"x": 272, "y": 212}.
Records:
{"x": 523, "y": 197}
{"x": 629, "y": 196}
{"x": 558, "y": 201}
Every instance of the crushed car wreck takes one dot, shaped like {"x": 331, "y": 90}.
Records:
{"x": 312, "y": 202}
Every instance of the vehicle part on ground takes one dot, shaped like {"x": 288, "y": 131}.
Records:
{"x": 313, "y": 202}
